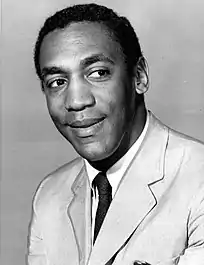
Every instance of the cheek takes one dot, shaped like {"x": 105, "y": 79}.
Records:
{"x": 116, "y": 124}
{"x": 117, "y": 109}
{"x": 113, "y": 104}
{"x": 56, "y": 110}
{"x": 112, "y": 98}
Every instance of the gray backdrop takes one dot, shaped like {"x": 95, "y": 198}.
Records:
{"x": 171, "y": 33}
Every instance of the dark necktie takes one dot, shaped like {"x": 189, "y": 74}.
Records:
{"x": 105, "y": 196}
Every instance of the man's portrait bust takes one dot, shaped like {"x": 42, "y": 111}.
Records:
{"x": 135, "y": 193}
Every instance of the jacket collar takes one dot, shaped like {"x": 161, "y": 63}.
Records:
{"x": 79, "y": 212}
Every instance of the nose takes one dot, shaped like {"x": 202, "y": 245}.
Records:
{"x": 78, "y": 95}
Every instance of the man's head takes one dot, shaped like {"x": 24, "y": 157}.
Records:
{"x": 93, "y": 76}
{"x": 118, "y": 26}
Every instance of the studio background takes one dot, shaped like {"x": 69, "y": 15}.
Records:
{"x": 172, "y": 39}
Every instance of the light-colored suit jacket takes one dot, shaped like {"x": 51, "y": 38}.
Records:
{"x": 157, "y": 214}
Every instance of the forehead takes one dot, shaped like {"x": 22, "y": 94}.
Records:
{"x": 79, "y": 40}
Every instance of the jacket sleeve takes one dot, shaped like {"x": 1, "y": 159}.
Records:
{"x": 194, "y": 253}
{"x": 36, "y": 254}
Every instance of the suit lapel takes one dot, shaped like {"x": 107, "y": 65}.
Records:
{"x": 79, "y": 212}
{"x": 135, "y": 198}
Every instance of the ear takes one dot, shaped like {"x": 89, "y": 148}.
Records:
{"x": 141, "y": 78}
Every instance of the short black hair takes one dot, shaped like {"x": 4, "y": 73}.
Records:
{"x": 119, "y": 26}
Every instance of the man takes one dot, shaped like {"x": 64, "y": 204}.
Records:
{"x": 136, "y": 194}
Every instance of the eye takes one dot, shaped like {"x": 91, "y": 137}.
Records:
{"x": 57, "y": 83}
{"x": 100, "y": 74}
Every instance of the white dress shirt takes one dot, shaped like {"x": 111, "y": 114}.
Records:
{"x": 115, "y": 173}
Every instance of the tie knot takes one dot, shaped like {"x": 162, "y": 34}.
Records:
{"x": 102, "y": 184}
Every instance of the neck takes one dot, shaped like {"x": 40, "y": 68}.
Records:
{"x": 134, "y": 129}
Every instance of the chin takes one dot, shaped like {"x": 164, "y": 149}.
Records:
{"x": 92, "y": 156}
{"x": 93, "y": 153}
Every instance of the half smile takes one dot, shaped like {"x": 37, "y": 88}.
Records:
{"x": 85, "y": 123}
{"x": 87, "y": 127}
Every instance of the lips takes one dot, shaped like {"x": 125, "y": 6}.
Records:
{"x": 85, "y": 123}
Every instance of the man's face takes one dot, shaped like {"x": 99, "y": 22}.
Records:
{"x": 88, "y": 91}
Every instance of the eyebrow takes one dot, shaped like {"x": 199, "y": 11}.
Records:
{"x": 83, "y": 63}
{"x": 94, "y": 59}
{"x": 51, "y": 71}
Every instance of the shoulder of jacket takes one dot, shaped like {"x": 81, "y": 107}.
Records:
{"x": 184, "y": 161}
{"x": 57, "y": 180}
{"x": 182, "y": 152}
{"x": 192, "y": 148}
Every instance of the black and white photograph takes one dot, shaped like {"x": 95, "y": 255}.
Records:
{"x": 102, "y": 132}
